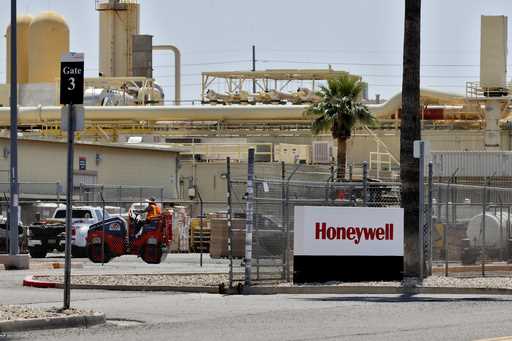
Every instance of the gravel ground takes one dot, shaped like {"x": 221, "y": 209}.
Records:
{"x": 212, "y": 280}
{"x": 20, "y": 312}
{"x": 216, "y": 279}
{"x": 438, "y": 281}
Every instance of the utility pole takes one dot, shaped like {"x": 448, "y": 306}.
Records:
{"x": 253, "y": 68}
{"x": 13, "y": 259}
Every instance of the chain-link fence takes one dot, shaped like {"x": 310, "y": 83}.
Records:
{"x": 268, "y": 204}
{"x": 471, "y": 232}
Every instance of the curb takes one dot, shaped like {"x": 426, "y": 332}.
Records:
{"x": 29, "y": 281}
{"x": 84, "y": 321}
{"x": 263, "y": 290}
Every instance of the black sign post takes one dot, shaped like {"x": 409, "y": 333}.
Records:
{"x": 71, "y": 93}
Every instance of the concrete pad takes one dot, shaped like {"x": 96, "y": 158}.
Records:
{"x": 16, "y": 262}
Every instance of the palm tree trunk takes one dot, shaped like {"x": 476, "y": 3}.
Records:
{"x": 410, "y": 130}
{"x": 341, "y": 158}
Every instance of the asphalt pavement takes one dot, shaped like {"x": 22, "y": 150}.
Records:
{"x": 172, "y": 316}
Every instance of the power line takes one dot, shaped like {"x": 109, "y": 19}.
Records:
{"x": 362, "y": 64}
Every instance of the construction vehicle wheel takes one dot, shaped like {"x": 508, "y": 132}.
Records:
{"x": 96, "y": 255}
{"x": 152, "y": 254}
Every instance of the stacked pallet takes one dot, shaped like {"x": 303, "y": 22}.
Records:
{"x": 219, "y": 238}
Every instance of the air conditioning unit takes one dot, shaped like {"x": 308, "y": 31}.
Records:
{"x": 293, "y": 153}
{"x": 322, "y": 152}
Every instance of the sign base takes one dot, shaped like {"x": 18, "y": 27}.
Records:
{"x": 321, "y": 269}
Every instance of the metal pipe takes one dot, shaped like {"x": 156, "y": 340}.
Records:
{"x": 226, "y": 114}
{"x": 276, "y": 113}
{"x": 177, "y": 69}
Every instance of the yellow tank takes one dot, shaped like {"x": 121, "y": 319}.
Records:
{"x": 22, "y": 25}
{"x": 119, "y": 21}
{"x": 48, "y": 41}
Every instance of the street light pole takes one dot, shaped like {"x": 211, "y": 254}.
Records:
{"x": 13, "y": 169}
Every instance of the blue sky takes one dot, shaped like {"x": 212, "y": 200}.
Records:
{"x": 364, "y": 37}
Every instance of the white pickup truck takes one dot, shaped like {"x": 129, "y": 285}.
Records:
{"x": 49, "y": 235}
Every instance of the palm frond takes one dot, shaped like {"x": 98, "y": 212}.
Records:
{"x": 339, "y": 109}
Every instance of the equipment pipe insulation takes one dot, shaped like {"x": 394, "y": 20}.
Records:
{"x": 448, "y": 103}
{"x": 177, "y": 69}
{"x": 273, "y": 113}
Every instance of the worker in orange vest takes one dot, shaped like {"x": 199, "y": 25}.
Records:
{"x": 153, "y": 210}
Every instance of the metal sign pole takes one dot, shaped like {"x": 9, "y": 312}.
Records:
{"x": 69, "y": 208}
{"x": 13, "y": 203}
{"x": 71, "y": 93}
{"x": 420, "y": 149}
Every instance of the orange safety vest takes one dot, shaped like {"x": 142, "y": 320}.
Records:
{"x": 153, "y": 211}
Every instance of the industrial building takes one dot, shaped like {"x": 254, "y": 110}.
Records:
{"x": 263, "y": 109}
{"x": 42, "y": 170}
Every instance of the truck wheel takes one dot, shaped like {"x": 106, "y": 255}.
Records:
{"x": 37, "y": 252}
{"x": 96, "y": 255}
{"x": 152, "y": 254}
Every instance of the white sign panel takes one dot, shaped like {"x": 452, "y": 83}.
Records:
{"x": 417, "y": 148}
{"x": 348, "y": 231}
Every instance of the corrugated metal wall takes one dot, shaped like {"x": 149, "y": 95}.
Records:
{"x": 474, "y": 164}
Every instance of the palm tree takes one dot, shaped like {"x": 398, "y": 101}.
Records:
{"x": 410, "y": 130}
{"x": 338, "y": 111}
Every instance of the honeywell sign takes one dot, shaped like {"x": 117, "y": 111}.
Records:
{"x": 348, "y": 231}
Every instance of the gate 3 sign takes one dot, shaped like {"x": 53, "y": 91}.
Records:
{"x": 72, "y": 78}
{"x": 348, "y": 231}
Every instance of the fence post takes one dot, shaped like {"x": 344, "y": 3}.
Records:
{"x": 421, "y": 241}
{"x": 283, "y": 213}
{"x": 120, "y": 192}
{"x": 287, "y": 229}
{"x": 230, "y": 229}
{"x": 429, "y": 218}
{"x": 453, "y": 194}
{"x": 249, "y": 216}
{"x": 445, "y": 229}
{"x": 484, "y": 199}
{"x": 365, "y": 183}
{"x": 58, "y": 193}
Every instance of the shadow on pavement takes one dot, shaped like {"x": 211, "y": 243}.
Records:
{"x": 404, "y": 298}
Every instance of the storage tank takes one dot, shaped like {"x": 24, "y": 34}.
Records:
{"x": 48, "y": 41}
{"x": 22, "y": 25}
{"x": 119, "y": 22}
{"x": 495, "y": 230}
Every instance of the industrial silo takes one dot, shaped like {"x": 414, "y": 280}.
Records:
{"x": 119, "y": 22}
{"x": 48, "y": 41}
{"x": 22, "y": 25}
